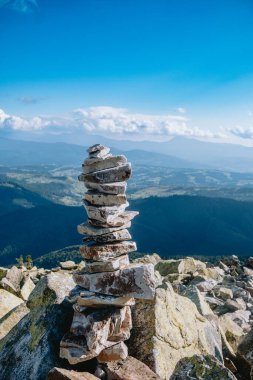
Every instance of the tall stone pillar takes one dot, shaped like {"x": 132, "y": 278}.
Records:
{"x": 108, "y": 285}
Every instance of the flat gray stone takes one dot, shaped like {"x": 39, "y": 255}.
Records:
{"x": 100, "y": 300}
{"x": 107, "y": 188}
{"x": 136, "y": 280}
{"x": 100, "y": 199}
{"x": 100, "y": 154}
{"x": 116, "y": 174}
{"x": 107, "y": 251}
{"x": 107, "y": 266}
{"x": 95, "y": 164}
{"x": 104, "y": 214}
{"x": 88, "y": 229}
{"x": 111, "y": 237}
{"x": 119, "y": 221}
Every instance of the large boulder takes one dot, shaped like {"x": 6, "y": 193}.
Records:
{"x": 31, "y": 348}
{"x": 182, "y": 266}
{"x": 8, "y": 302}
{"x": 170, "y": 328}
{"x": 245, "y": 349}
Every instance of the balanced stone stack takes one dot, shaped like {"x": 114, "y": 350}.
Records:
{"x": 108, "y": 285}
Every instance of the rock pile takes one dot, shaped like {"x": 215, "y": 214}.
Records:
{"x": 109, "y": 284}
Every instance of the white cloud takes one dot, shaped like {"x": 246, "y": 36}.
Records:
{"x": 181, "y": 110}
{"x": 23, "y": 6}
{"x": 242, "y": 132}
{"x": 107, "y": 121}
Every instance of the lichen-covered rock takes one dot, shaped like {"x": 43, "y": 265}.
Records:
{"x": 201, "y": 367}
{"x": 3, "y": 272}
{"x": 31, "y": 348}
{"x": 245, "y": 349}
{"x": 100, "y": 199}
{"x": 115, "y": 174}
{"x": 68, "y": 265}
{"x": 107, "y": 266}
{"x": 198, "y": 299}
{"x": 174, "y": 329}
{"x": 11, "y": 319}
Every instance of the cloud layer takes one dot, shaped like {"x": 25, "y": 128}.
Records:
{"x": 107, "y": 121}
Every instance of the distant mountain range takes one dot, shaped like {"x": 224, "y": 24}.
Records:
{"x": 178, "y": 225}
{"x": 179, "y": 152}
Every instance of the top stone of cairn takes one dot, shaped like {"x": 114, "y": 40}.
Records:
{"x": 98, "y": 151}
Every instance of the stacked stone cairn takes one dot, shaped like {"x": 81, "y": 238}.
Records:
{"x": 108, "y": 285}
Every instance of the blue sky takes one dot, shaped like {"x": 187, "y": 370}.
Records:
{"x": 190, "y": 59}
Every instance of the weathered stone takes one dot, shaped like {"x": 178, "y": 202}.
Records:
{"x": 136, "y": 281}
{"x": 182, "y": 266}
{"x": 232, "y": 331}
{"x": 27, "y": 288}
{"x": 64, "y": 374}
{"x": 104, "y": 214}
{"x": 93, "y": 330}
{"x": 111, "y": 237}
{"x": 11, "y": 319}
{"x": 129, "y": 369}
{"x": 225, "y": 293}
{"x": 108, "y": 251}
{"x": 8, "y": 302}
{"x": 245, "y": 349}
{"x": 201, "y": 367}
{"x": 119, "y": 221}
{"x": 117, "y": 352}
{"x": 107, "y": 188}
{"x": 100, "y": 199}
{"x": 153, "y": 258}
{"x": 117, "y": 174}
{"x": 31, "y": 348}
{"x": 198, "y": 299}
{"x": 88, "y": 229}
{"x": 3, "y": 272}
{"x": 103, "y": 153}
{"x": 233, "y": 305}
{"x": 96, "y": 300}
{"x": 107, "y": 266}
{"x": 95, "y": 148}
{"x": 7, "y": 285}
{"x": 14, "y": 277}
{"x": 205, "y": 285}
{"x": 68, "y": 265}
{"x": 94, "y": 164}
{"x": 174, "y": 329}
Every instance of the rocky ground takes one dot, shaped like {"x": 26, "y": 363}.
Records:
{"x": 198, "y": 326}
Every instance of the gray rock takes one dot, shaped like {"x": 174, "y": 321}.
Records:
{"x": 95, "y": 164}
{"x": 88, "y": 229}
{"x": 111, "y": 237}
{"x": 136, "y": 281}
{"x": 107, "y": 251}
{"x": 89, "y": 299}
{"x": 107, "y": 188}
{"x": 104, "y": 214}
{"x": 100, "y": 199}
{"x": 31, "y": 348}
{"x": 107, "y": 266}
{"x": 95, "y": 148}
{"x": 119, "y": 221}
{"x": 68, "y": 265}
{"x": 117, "y": 174}
{"x": 93, "y": 330}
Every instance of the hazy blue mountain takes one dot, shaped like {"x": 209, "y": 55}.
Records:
{"x": 191, "y": 152}
{"x": 177, "y": 225}
{"x": 30, "y": 153}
